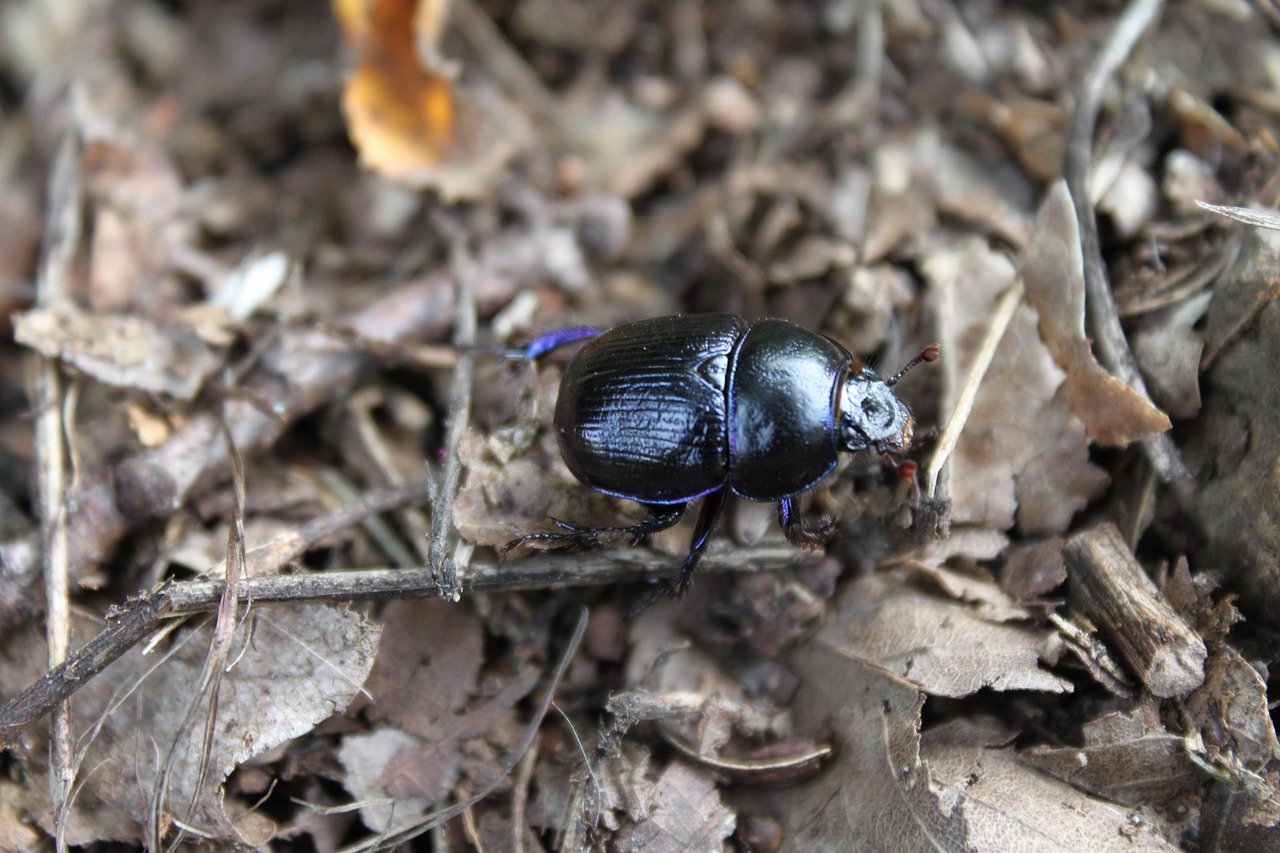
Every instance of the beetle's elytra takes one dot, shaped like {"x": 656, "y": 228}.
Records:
{"x": 672, "y": 409}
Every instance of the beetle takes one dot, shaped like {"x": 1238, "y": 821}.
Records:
{"x": 672, "y": 409}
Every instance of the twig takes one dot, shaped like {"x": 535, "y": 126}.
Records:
{"x": 464, "y": 299}
{"x": 1104, "y": 319}
{"x": 62, "y": 238}
{"x": 1115, "y": 593}
{"x": 139, "y": 617}
{"x": 1000, "y": 320}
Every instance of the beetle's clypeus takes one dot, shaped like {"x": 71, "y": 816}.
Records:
{"x": 672, "y": 409}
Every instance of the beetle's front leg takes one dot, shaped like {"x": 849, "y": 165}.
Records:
{"x": 796, "y": 532}
{"x": 577, "y": 536}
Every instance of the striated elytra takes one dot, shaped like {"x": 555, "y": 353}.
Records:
{"x": 672, "y": 409}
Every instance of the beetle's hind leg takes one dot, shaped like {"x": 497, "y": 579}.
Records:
{"x": 576, "y": 536}
{"x": 796, "y": 532}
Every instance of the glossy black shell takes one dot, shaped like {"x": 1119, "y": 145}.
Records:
{"x": 666, "y": 410}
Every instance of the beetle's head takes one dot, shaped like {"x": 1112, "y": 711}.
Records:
{"x": 871, "y": 418}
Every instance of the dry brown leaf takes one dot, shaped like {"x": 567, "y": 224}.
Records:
{"x": 1033, "y": 569}
{"x": 422, "y": 687}
{"x": 1127, "y": 756}
{"x": 1006, "y": 804}
{"x": 138, "y": 221}
{"x": 405, "y": 117}
{"x": 990, "y": 601}
{"x": 1052, "y": 266}
{"x": 1059, "y": 480}
{"x": 1020, "y": 456}
{"x": 876, "y": 794}
{"x": 124, "y": 351}
{"x": 305, "y": 663}
{"x": 687, "y": 816}
{"x": 944, "y": 647}
{"x": 1231, "y": 710}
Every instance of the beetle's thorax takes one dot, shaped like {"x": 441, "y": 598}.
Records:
{"x": 871, "y": 417}
{"x": 782, "y": 387}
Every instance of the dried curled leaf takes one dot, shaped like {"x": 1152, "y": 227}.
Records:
{"x": 1052, "y": 266}
{"x": 400, "y": 114}
{"x": 404, "y": 114}
{"x": 1127, "y": 756}
{"x": 124, "y": 351}
{"x": 943, "y": 646}
{"x": 304, "y": 663}
{"x": 1007, "y": 804}
{"x": 877, "y": 788}
{"x": 1022, "y": 455}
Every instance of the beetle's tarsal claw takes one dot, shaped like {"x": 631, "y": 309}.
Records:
{"x": 811, "y": 537}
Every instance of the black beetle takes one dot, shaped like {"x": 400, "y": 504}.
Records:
{"x": 668, "y": 410}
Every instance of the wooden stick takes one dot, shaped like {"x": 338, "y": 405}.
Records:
{"x": 1109, "y": 585}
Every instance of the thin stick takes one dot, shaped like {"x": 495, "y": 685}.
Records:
{"x": 62, "y": 237}
{"x": 131, "y": 623}
{"x": 464, "y": 298}
{"x": 1000, "y": 320}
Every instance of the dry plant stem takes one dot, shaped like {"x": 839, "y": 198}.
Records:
{"x": 205, "y": 696}
{"x": 442, "y": 565}
{"x": 1111, "y": 588}
{"x": 136, "y": 619}
{"x": 62, "y": 232}
{"x": 520, "y": 796}
{"x": 1104, "y": 319}
{"x": 1000, "y": 320}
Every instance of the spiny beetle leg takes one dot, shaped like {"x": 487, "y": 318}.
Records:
{"x": 544, "y": 344}
{"x": 708, "y": 518}
{"x": 678, "y": 584}
{"x": 796, "y": 532}
{"x": 576, "y": 536}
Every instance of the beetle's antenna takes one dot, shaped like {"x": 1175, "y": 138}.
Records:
{"x": 929, "y": 353}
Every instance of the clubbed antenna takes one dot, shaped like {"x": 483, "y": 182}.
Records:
{"x": 929, "y": 353}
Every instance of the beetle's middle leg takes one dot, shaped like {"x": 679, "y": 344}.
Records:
{"x": 577, "y": 536}
{"x": 708, "y": 518}
{"x": 796, "y": 532}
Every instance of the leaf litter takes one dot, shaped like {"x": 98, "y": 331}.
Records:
{"x": 278, "y": 210}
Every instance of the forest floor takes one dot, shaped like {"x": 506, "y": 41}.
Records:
{"x": 266, "y": 270}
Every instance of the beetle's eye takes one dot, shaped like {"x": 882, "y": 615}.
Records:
{"x": 875, "y": 411}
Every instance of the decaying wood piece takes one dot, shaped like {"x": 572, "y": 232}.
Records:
{"x": 1109, "y": 585}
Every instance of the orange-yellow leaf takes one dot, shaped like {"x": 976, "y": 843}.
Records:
{"x": 400, "y": 115}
